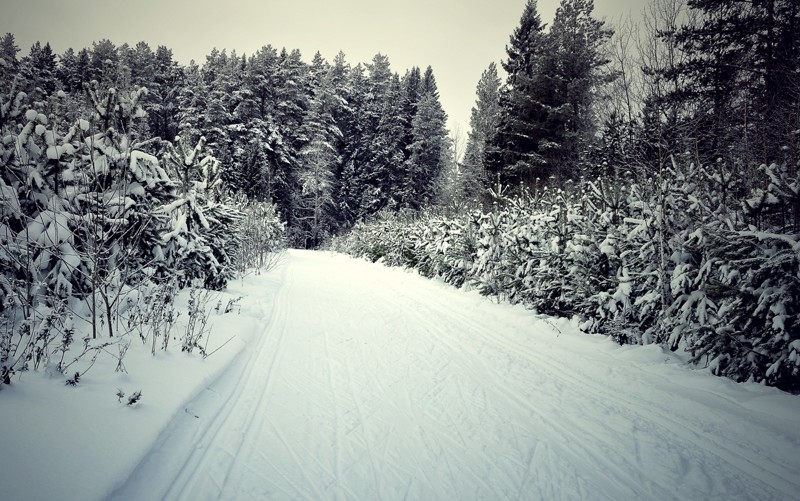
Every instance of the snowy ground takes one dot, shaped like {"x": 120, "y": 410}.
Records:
{"x": 363, "y": 382}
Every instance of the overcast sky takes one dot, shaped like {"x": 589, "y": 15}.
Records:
{"x": 458, "y": 38}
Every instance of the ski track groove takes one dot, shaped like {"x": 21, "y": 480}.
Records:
{"x": 687, "y": 430}
{"x": 418, "y": 397}
{"x": 498, "y": 385}
{"x": 337, "y": 420}
{"x": 367, "y": 444}
{"x": 254, "y": 423}
{"x": 191, "y": 474}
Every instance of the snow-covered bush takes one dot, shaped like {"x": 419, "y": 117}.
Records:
{"x": 262, "y": 234}
{"x": 751, "y": 274}
{"x": 445, "y": 248}
{"x": 92, "y": 222}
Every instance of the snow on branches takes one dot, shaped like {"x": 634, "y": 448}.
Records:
{"x": 679, "y": 262}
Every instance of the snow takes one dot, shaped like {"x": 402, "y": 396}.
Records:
{"x": 347, "y": 379}
{"x": 77, "y": 443}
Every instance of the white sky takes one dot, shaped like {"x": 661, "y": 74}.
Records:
{"x": 458, "y": 38}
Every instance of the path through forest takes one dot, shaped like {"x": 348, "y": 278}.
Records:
{"x": 375, "y": 383}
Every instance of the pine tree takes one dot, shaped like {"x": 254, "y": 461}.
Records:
{"x": 191, "y": 102}
{"x": 315, "y": 179}
{"x": 143, "y": 65}
{"x": 164, "y": 87}
{"x": 256, "y": 143}
{"x": 339, "y": 92}
{"x": 104, "y": 63}
{"x": 735, "y": 77}
{"x": 321, "y": 156}
{"x": 377, "y": 143}
{"x": 69, "y": 80}
{"x": 293, "y": 101}
{"x": 355, "y": 127}
{"x": 217, "y": 116}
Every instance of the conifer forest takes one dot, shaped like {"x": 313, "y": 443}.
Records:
{"x": 640, "y": 177}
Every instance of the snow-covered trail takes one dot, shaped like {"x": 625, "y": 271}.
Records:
{"x": 375, "y": 383}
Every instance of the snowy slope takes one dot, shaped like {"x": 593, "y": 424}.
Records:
{"x": 64, "y": 443}
{"x": 364, "y": 382}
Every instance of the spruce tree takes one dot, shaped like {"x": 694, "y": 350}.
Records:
{"x": 483, "y": 123}
{"x": 412, "y": 86}
{"x": 8, "y": 60}
{"x": 428, "y": 151}
{"x": 513, "y": 154}
{"x": 573, "y": 74}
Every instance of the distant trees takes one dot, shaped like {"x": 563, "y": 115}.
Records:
{"x": 546, "y": 121}
{"x": 738, "y": 76}
{"x": 328, "y": 143}
{"x": 283, "y": 129}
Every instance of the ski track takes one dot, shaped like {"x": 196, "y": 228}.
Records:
{"x": 368, "y": 383}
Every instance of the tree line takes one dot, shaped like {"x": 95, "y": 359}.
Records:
{"x": 716, "y": 79}
{"x": 329, "y": 143}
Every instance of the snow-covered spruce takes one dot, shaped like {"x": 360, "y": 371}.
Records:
{"x": 679, "y": 263}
